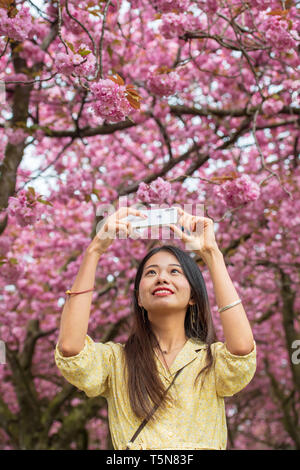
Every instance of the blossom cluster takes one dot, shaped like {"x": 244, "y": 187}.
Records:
{"x": 75, "y": 62}
{"x": 16, "y": 136}
{"x": 110, "y": 100}
{"x": 238, "y": 191}
{"x": 77, "y": 186}
{"x": 277, "y": 34}
{"x": 162, "y": 84}
{"x": 272, "y": 106}
{"x": 18, "y": 77}
{"x": 17, "y": 27}
{"x": 211, "y": 6}
{"x": 11, "y": 271}
{"x": 25, "y": 208}
{"x": 159, "y": 191}
{"x": 80, "y": 14}
{"x": 32, "y": 52}
{"x": 166, "y": 6}
{"x": 174, "y": 25}
{"x": 261, "y": 4}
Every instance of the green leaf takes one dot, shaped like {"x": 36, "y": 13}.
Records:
{"x": 96, "y": 192}
{"x": 31, "y": 190}
{"x": 277, "y": 12}
{"x": 70, "y": 46}
{"x": 84, "y": 52}
{"x": 110, "y": 51}
{"x": 13, "y": 260}
{"x": 47, "y": 203}
{"x": 95, "y": 13}
{"x": 47, "y": 130}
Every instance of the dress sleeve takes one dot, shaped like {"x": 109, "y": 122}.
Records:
{"x": 90, "y": 370}
{"x": 232, "y": 372}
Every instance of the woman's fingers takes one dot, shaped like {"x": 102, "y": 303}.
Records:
{"x": 126, "y": 230}
{"x": 178, "y": 231}
{"x": 185, "y": 220}
{"x": 123, "y": 225}
{"x": 124, "y": 211}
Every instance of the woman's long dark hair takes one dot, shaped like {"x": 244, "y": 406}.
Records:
{"x": 145, "y": 388}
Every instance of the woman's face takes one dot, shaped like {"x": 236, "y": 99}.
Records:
{"x": 167, "y": 273}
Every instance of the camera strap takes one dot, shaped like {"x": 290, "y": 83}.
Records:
{"x": 143, "y": 424}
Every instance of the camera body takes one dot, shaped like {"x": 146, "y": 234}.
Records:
{"x": 155, "y": 217}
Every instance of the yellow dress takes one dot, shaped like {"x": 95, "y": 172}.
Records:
{"x": 198, "y": 420}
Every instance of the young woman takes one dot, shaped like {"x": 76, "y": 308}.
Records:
{"x": 165, "y": 386}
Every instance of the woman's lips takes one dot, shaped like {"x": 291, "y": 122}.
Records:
{"x": 162, "y": 294}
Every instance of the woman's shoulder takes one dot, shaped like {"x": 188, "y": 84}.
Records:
{"x": 115, "y": 346}
{"x": 198, "y": 342}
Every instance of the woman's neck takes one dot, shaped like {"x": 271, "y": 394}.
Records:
{"x": 170, "y": 339}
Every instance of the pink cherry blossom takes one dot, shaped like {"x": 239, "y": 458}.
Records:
{"x": 212, "y": 6}
{"x": 11, "y": 270}
{"x": 159, "y": 191}
{"x": 32, "y": 53}
{"x": 162, "y": 84}
{"x": 262, "y": 4}
{"x": 239, "y": 191}
{"x": 277, "y": 34}
{"x": 174, "y": 25}
{"x": 110, "y": 100}
{"x": 167, "y": 6}
{"x": 25, "y": 208}
{"x": 16, "y": 136}
{"x": 17, "y": 27}
{"x": 75, "y": 62}
{"x": 272, "y": 106}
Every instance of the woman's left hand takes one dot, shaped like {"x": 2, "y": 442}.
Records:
{"x": 198, "y": 234}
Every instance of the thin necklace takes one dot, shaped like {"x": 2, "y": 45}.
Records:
{"x": 174, "y": 349}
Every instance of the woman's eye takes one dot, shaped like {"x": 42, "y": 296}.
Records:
{"x": 152, "y": 270}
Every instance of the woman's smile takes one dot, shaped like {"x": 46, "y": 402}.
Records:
{"x": 162, "y": 293}
{"x": 164, "y": 290}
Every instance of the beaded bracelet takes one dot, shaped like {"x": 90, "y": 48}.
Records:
{"x": 229, "y": 306}
{"x": 68, "y": 292}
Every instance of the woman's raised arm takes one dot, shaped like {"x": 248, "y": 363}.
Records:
{"x": 76, "y": 311}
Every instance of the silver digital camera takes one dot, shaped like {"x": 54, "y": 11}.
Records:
{"x": 155, "y": 217}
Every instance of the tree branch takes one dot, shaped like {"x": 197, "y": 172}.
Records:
{"x": 179, "y": 110}
{"x": 87, "y": 131}
{"x": 32, "y": 335}
{"x": 164, "y": 134}
{"x": 99, "y": 72}
{"x": 77, "y": 419}
{"x": 228, "y": 44}
{"x": 290, "y": 425}
{"x": 9, "y": 421}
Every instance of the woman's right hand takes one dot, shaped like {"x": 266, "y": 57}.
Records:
{"x": 113, "y": 226}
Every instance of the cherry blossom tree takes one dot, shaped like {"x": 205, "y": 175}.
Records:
{"x": 165, "y": 102}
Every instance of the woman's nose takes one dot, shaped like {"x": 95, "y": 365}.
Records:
{"x": 163, "y": 278}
